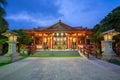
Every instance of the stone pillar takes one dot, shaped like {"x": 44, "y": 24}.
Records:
{"x": 12, "y": 37}
{"x": 12, "y": 51}
{"x": 108, "y": 53}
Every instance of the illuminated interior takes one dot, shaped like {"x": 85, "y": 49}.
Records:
{"x": 59, "y": 36}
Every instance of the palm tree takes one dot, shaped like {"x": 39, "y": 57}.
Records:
{"x": 3, "y": 22}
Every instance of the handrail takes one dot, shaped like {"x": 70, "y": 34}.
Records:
{"x": 88, "y": 51}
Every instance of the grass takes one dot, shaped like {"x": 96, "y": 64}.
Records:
{"x": 3, "y": 64}
{"x": 56, "y": 54}
{"x": 23, "y": 57}
{"x": 47, "y": 54}
{"x": 7, "y": 60}
{"x": 116, "y": 62}
{"x": 4, "y": 60}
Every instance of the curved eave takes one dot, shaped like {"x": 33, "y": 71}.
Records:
{"x": 52, "y": 31}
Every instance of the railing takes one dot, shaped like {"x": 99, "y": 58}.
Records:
{"x": 87, "y": 52}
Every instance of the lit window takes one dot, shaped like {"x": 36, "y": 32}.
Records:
{"x": 45, "y": 40}
{"x": 62, "y": 34}
{"x": 109, "y": 37}
{"x": 54, "y": 38}
{"x": 64, "y": 38}
{"x": 57, "y": 34}
{"x": 79, "y": 34}
{"x": 74, "y": 39}
{"x": 61, "y": 39}
{"x": 105, "y": 37}
{"x": 58, "y": 39}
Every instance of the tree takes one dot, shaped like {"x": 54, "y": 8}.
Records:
{"x": 3, "y": 22}
{"x": 111, "y": 21}
{"x": 23, "y": 39}
{"x": 95, "y": 37}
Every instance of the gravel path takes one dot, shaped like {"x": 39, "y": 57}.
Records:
{"x": 56, "y": 69}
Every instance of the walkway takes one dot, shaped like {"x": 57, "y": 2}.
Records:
{"x": 57, "y": 69}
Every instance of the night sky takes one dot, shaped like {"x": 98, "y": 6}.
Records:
{"x": 27, "y": 14}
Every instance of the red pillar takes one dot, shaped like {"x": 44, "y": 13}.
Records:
{"x": 42, "y": 41}
{"x": 68, "y": 42}
{"x": 51, "y": 42}
{"x": 77, "y": 41}
{"x": 48, "y": 42}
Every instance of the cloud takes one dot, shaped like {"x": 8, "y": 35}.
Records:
{"x": 33, "y": 18}
{"x": 69, "y": 11}
{"x": 82, "y": 12}
{"x": 78, "y": 12}
{"x": 20, "y": 17}
{"x": 85, "y": 13}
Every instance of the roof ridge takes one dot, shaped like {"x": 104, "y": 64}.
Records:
{"x": 62, "y": 25}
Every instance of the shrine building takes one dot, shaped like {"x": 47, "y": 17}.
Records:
{"x": 59, "y": 36}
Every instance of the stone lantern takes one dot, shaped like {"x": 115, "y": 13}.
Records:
{"x": 12, "y": 40}
{"x": 108, "y": 53}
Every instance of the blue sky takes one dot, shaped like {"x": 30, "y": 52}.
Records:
{"x": 27, "y": 14}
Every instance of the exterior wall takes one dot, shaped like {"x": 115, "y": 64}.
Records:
{"x": 68, "y": 38}
{"x": 45, "y": 40}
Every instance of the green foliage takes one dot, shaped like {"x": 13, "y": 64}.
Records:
{"x": 3, "y": 23}
{"x": 23, "y": 37}
{"x": 96, "y": 37}
{"x": 3, "y": 2}
{"x": 3, "y": 39}
{"x": 3, "y": 64}
{"x": 111, "y": 21}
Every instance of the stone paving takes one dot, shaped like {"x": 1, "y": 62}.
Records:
{"x": 57, "y": 69}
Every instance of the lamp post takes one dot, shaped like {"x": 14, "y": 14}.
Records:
{"x": 108, "y": 53}
{"x": 12, "y": 40}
